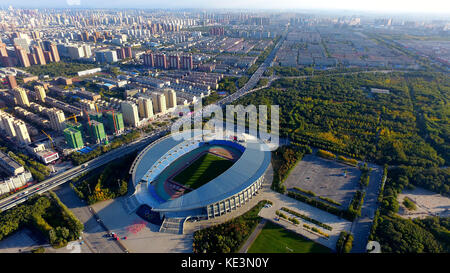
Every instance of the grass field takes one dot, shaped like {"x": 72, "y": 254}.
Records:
{"x": 276, "y": 239}
{"x": 203, "y": 170}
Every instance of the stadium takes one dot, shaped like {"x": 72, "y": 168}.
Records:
{"x": 199, "y": 175}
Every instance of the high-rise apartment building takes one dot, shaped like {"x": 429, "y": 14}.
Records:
{"x": 57, "y": 119}
{"x": 106, "y": 56}
{"x": 22, "y": 56}
{"x": 128, "y": 52}
{"x": 85, "y": 36}
{"x": 97, "y": 131}
{"x": 130, "y": 113}
{"x": 22, "y": 135}
{"x": 52, "y": 49}
{"x": 187, "y": 62}
{"x": 21, "y": 96}
{"x": 145, "y": 107}
{"x": 171, "y": 98}
{"x": 159, "y": 103}
{"x": 120, "y": 53}
{"x": 40, "y": 93}
{"x": 48, "y": 57}
{"x": 32, "y": 58}
{"x": 75, "y": 51}
{"x": 39, "y": 55}
{"x": 12, "y": 83}
{"x": 114, "y": 123}
{"x": 148, "y": 59}
{"x": 74, "y": 138}
{"x": 87, "y": 105}
{"x": 174, "y": 61}
{"x": 7, "y": 123}
{"x": 161, "y": 61}
{"x": 87, "y": 50}
{"x": 55, "y": 54}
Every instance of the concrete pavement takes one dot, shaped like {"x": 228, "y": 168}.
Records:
{"x": 94, "y": 233}
{"x": 362, "y": 226}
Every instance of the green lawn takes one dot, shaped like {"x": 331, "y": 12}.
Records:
{"x": 276, "y": 239}
{"x": 203, "y": 170}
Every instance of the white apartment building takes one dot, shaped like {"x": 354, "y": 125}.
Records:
{"x": 145, "y": 107}
{"x": 159, "y": 103}
{"x": 130, "y": 113}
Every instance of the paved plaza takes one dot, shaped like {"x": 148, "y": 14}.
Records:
{"x": 325, "y": 178}
{"x": 142, "y": 236}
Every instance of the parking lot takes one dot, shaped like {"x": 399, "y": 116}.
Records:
{"x": 325, "y": 178}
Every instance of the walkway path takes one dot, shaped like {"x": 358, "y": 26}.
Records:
{"x": 362, "y": 226}
{"x": 253, "y": 236}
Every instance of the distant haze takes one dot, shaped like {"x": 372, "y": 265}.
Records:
{"x": 391, "y": 6}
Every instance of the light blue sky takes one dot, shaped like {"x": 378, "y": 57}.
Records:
{"x": 397, "y": 6}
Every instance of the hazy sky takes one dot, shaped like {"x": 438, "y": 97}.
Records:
{"x": 402, "y": 6}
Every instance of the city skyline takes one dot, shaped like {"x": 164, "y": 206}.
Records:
{"x": 383, "y": 6}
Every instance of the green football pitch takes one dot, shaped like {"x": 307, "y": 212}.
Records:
{"x": 203, "y": 170}
{"x": 276, "y": 239}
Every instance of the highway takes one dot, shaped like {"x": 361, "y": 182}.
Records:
{"x": 139, "y": 144}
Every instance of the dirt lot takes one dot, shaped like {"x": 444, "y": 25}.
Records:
{"x": 428, "y": 204}
{"x": 325, "y": 178}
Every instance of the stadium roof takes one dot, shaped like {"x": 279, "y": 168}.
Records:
{"x": 242, "y": 174}
{"x": 158, "y": 149}
{"x": 249, "y": 167}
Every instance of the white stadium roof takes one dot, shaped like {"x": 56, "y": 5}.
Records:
{"x": 242, "y": 174}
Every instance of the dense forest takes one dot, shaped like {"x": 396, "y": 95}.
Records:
{"x": 398, "y": 235}
{"x": 409, "y": 125}
{"x": 405, "y": 128}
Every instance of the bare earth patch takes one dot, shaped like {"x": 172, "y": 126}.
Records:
{"x": 427, "y": 202}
